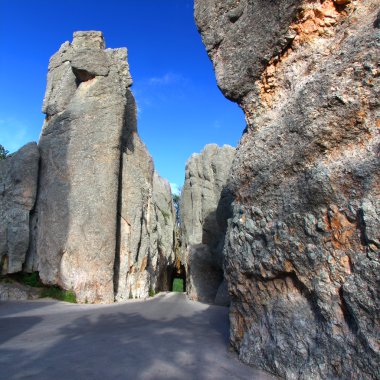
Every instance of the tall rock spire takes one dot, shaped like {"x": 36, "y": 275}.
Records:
{"x": 85, "y": 106}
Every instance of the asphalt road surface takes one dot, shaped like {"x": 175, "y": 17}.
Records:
{"x": 166, "y": 337}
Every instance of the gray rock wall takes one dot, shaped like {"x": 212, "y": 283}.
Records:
{"x": 204, "y": 210}
{"x": 165, "y": 257}
{"x": 302, "y": 248}
{"x": 147, "y": 220}
{"x": 18, "y": 188}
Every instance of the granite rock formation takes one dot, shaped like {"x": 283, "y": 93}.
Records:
{"x": 165, "y": 258}
{"x": 147, "y": 220}
{"x": 84, "y": 105}
{"x": 302, "y": 248}
{"x": 18, "y": 188}
{"x": 97, "y": 226}
{"x": 204, "y": 210}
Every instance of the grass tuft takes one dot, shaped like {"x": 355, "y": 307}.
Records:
{"x": 30, "y": 279}
{"x": 59, "y": 294}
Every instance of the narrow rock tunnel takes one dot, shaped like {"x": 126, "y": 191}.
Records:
{"x": 177, "y": 272}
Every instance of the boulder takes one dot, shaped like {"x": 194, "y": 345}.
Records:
{"x": 18, "y": 188}
{"x": 302, "y": 247}
{"x": 204, "y": 209}
{"x": 12, "y": 291}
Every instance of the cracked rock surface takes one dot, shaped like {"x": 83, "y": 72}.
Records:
{"x": 18, "y": 188}
{"x": 205, "y": 207}
{"x": 104, "y": 220}
{"x": 302, "y": 247}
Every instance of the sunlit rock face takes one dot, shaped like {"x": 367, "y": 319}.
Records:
{"x": 204, "y": 210}
{"x": 85, "y": 105}
{"x": 18, "y": 188}
{"x": 302, "y": 247}
{"x": 96, "y": 227}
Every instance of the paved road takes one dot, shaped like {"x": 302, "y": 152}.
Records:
{"x": 167, "y": 337}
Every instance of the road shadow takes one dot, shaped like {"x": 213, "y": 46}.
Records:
{"x": 123, "y": 343}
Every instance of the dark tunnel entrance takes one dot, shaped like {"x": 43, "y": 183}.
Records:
{"x": 177, "y": 278}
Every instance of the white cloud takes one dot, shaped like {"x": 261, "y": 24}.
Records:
{"x": 217, "y": 124}
{"x": 168, "y": 79}
{"x": 155, "y": 92}
{"x": 175, "y": 188}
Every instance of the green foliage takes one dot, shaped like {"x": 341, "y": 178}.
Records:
{"x": 33, "y": 280}
{"x": 30, "y": 279}
{"x": 152, "y": 293}
{"x": 178, "y": 285}
{"x": 59, "y": 294}
{"x": 3, "y": 153}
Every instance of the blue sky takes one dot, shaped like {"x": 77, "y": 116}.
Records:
{"x": 180, "y": 107}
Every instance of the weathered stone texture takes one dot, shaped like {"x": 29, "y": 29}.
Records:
{"x": 104, "y": 222}
{"x": 204, "y": 209}
{"x": 302, "y": 248}
{"x": 223, "y": 26}
{"x": 13, "y": 291}
{"x": 18, "y": 188}
{"x": 146, "y": 224}
{"x": 85, "y": 105}
{"x": 204, "y": 273}
{"x": 165, "y": 236}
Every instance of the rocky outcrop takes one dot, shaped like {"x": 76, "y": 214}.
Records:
{"x": 302, "y": 248}
{"x": 165, "y": 257}
{"x": 18, "y": 188}
{"x": 147, "y": 220}
{"x": 104, "y": 221}
{"x": 13, "y": 291}
{"x": 204, "y": 210}
{"x": 84, "y": 104}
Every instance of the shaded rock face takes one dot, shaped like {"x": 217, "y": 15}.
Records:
{"x": 97, "y": 229}
{"x": 147, "y": 221}
{"x": 223, "y": 25}
{"x": 204, "y": 210}
{"x": 165, "y": 257}
{"x": 302, "y": 248}
{"x": 18, "y": 188}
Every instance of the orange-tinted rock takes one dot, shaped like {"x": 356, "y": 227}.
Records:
{"x": 302, "y": 249}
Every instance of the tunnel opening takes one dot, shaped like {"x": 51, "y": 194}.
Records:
{"x": 177, "y": 278}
